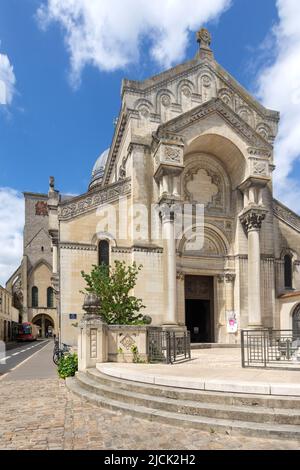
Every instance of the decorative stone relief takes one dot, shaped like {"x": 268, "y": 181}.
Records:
{"x": 144, "y": 112}
{"x": 203, "y": 186}
{"x": 166, "y": 101}
{"x": 259, "y": 168}
{"x": 127, "y": 342}
{"x": 172, "y": 154}
{"x": 93, "y": 343}
{"x": 226, "y": 96}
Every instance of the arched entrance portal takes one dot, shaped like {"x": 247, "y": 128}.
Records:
{"x": 296, "y": 321}
{"x": 45, "y": 324}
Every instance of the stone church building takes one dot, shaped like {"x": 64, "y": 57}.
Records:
{"x": 190, "y": 135}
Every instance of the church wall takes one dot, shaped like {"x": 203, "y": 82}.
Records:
{"x": 72, "y": 262}
{"x": 41, "y": 278}
{"x": 150, "y": 285}
{"x": 286, "y": 238}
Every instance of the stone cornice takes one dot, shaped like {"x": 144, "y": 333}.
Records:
{"x": 215, "y": 106}
{"x": 91, "y": 200}
{"x": 77, "y": 246}
{"x": 287, "y": 216}
{"x": 117, "y": 139}
{"x": 136, "y": 248}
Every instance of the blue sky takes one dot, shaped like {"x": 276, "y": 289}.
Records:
{"x": 59, "y": 117}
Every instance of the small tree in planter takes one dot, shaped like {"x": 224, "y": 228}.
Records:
{"x": 113, "y": 285}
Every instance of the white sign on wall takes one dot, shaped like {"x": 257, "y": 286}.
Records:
{"x": 232, "y": 324}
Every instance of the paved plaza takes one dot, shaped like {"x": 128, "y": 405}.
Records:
{"x": 217, "y": 369}
{"x": 38, "y": 412}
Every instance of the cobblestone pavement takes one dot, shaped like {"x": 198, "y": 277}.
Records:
{"x": 37, "y": 411}
{"x": 43, "y": 414}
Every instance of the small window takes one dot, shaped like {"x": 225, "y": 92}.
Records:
{"x": 288, "y": 272}
{"x": 50, "y": 297}
{"x": 103, "y": 252}
{"x": 35, "y": 296}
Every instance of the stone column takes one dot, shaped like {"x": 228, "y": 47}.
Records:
{"x": 168, "y": 216}
{"x": 229, "y": 286}
{"x": 252, "y": 219}
{"x": 54, "y": 258}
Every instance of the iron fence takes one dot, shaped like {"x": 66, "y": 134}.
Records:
{"x": 270, "y": 348}
{"x": 168, "y": 346}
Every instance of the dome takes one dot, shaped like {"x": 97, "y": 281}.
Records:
{"x": 98, "y": 170}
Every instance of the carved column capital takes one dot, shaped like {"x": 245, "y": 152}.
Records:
{"x": 167, "y": 211}
{"x": 180, "y": 275}
{"x": 252, "y": 218}
{"x": 229, "y": 277}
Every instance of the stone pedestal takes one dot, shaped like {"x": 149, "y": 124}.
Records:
{"x": 92, "y": 342}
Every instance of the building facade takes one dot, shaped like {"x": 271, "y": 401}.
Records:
{"x": 190, "y": 137}
{"x": 31, "y": 285}
{"x": 9, "y": 316}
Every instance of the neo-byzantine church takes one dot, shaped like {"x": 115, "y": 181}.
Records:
{"x": 190, "y": 135}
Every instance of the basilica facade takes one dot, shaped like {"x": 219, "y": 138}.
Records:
{"x": 189, "y": 137}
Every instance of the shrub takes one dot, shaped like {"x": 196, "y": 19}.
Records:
{"x": 67, "y": 366}
{"x": 113, "y": 287}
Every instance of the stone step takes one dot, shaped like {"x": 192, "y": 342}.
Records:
{"x": 238, "y": 399}
{"x": 188, "y": 407}
{"x": 176, "y": 419}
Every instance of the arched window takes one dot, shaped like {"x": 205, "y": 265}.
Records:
{"x": 288, "y": 272}
{"x": 35, "y": 296}
{"x": 296, "y": 321}
{"x": 50, "y": 297}
{"x": 103, "y": 252}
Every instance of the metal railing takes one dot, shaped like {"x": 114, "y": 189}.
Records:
{"x": 168, "y": 346}
{"x": 270, "y": 348}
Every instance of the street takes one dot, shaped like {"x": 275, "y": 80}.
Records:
{"x": 17, "y": 353}
{"x": 38, "y": 412}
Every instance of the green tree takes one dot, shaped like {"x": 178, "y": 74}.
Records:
{"x": 113, "y": 285}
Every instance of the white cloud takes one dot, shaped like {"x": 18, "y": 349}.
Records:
{"x": 7, "y": 80}
{"x": 11, "y": 231}
{"x": 109, "y": 33}
{"x": 279, "y": 88}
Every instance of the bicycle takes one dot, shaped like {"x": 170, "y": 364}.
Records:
{"x": 58, "y": 353}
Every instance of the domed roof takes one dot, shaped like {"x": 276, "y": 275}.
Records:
{"x": 98, "y": 170}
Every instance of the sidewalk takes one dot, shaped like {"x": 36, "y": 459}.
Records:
{"x": 37, "y": 412}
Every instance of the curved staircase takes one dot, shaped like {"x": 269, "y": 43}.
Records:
{"x": 268, "y": 416}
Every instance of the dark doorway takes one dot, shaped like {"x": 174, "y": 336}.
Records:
{"x": 199, "y": 316}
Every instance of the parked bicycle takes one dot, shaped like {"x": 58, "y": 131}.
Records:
{"x": 58, "y": 352}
